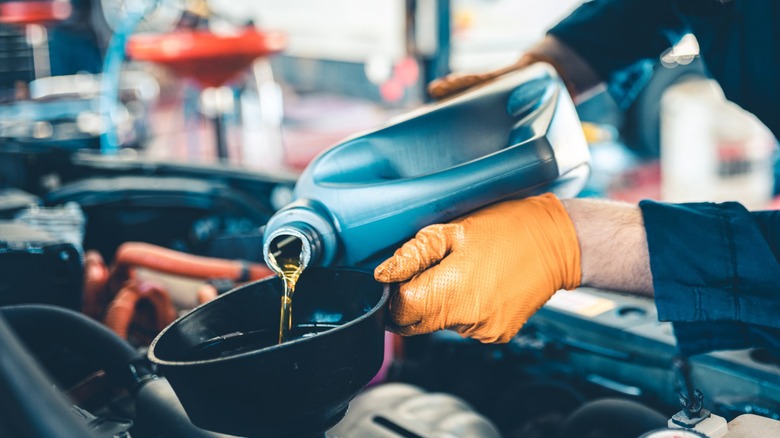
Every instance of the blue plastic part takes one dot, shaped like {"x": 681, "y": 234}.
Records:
{"x": 112, "y": 69}
{"x": 516, "y": 137}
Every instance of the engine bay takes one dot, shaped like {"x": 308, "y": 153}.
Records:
{"x": 128, "y": 247}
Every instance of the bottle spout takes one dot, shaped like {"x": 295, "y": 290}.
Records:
{"x": 300, "y": 231}
{"x": 289, "y": 242}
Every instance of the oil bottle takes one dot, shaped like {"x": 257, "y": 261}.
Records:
{"x": 357, "y": 201}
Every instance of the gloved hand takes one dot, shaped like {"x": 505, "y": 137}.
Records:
{"x": 454, "y": 83}
{"x": 485, "y": 274}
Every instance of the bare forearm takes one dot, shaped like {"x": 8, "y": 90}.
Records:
{"x": 613, "y": 245}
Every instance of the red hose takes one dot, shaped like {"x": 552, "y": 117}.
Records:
{"x": 95, "y": 280}
{"x": 122, "y": 309}
{"x": 160, "y": 259}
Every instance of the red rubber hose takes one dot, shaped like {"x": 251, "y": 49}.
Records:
{"x": 137, "y": 254}
{"x": 122, "y": 309}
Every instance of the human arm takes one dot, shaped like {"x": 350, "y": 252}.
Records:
{"x": 485, "y": 274}
{"x": 613, "y": 245}
{"x": 597, "y": 39}
{"x": 712, "y": 267}
{"x": 573, "y": 69}
{"x": 716, "y": 274}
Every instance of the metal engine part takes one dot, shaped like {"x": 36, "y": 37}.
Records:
{"x": 399, "y": 410}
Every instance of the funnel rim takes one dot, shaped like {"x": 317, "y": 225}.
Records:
{"x": 181, "y": 363}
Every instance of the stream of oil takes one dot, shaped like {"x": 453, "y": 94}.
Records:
{"x": 289, "y": 269}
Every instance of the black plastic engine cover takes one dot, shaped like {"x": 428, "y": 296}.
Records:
{"x": 36, "y": 267}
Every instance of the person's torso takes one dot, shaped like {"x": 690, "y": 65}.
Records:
{"x": 740, "y": 45}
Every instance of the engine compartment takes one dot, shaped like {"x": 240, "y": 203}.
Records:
{"x": 592, "y": 351}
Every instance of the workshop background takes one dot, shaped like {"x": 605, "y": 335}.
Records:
{"x": 145, "y": 144}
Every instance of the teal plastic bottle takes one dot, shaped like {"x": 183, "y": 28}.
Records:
{"x": 362, "y": 198}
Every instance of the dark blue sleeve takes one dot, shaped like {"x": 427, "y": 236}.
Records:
{"x": 614, "y": 34}
{"x": 715, "y": 274}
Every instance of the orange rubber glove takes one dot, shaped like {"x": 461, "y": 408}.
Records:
{"x": 485, "y": 274}
{"x": 454, "y": 83}
{"x": 575, "y": 72}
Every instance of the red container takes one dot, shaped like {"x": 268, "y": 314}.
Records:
{"x": 209, "y": 58}
{"x": 41, "y": 12}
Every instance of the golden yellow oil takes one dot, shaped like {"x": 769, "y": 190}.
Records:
{"x": 289, "y": 269}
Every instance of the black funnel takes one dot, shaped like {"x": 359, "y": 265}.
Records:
{"x": 222, "y": 361}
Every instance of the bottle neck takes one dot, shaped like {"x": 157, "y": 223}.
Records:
{"x": 295, "y": 240}
{"x": 306, "y": 224}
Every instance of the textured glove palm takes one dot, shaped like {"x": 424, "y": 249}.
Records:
{"x": 485, "y": 274}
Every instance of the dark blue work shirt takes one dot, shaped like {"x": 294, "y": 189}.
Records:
{"x": 739, "y": 43}
{"x": 715, "y": 274}
{"x": 715, "y": 267}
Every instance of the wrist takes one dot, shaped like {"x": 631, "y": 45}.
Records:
{"x": 613, "y": 245}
